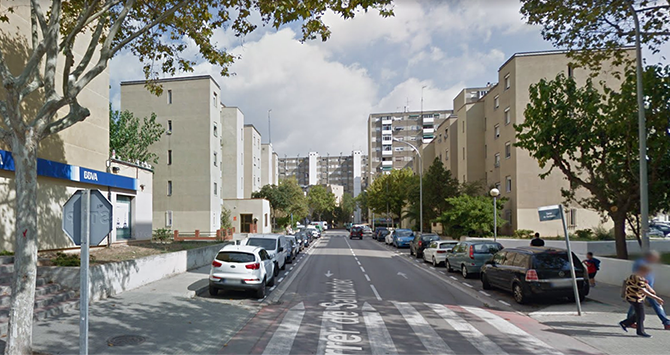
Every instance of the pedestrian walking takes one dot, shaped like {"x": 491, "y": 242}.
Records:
{"x": 637, "y": 290}
{"x": 650, "y": 259}
{"x": 592, "y": 267}
{"x": 537, "y": 241}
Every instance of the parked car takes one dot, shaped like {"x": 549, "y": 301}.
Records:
{"x": 356, "y": 232}
{"x": 375, "y": 233}
{"x": 367, "y": 231}
{"x": 241, "y": 267}
{"x": 437, "y": 250}
{"x": 303, "y": 239}
{"x": 314, "y": 230}
{"x": 381, "y": 236}
{"x": 469, "y": 256}
{"x": 663, "y": 228}
{"x": 276, "y": 246}
{"x": 294, "y": 246}
{"x": 389, "y": 238}
{"x": 402, "y": 238}
{"x": 529, "y": 272}
{"x": 420, "y": 243}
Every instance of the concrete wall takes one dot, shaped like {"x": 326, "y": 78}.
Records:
{"x": 614, "y": 271}
{"x": 114, "y": 278}
{"x": 258, "y": 208}
{"x": 232, "y": 154}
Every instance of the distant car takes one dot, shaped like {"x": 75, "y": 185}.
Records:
{"x": 356, "y": 232}
{"x": 241, "y": 267}
{"x": 367, "y": 231}
{"x": 420, "y": 242}
{"x": 294, "y": 246}
{"x": 375, "y": 233}
{"x": 348, "y": 226}
{"x": 402, "y": 238}
{"x": 313, "y": 232}
{"x": 468, "y": 257}
{"x": 663, "y": 228}
{"x": 436, "y": 251}
{"x": 529, "y": 272}
{"x": 276, "y": 246}
{"x": 381, "y": 236}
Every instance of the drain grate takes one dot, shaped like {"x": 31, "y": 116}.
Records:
{"x": 123, "y": 340}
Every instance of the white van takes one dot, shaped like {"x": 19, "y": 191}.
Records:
{"x": 322, "y": 224}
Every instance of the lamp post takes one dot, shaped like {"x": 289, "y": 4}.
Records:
{"x": 495, "y": 193}
{"x": 420, "y": 182}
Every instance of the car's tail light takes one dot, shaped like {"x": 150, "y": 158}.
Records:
{"x": 254, "y": 266}
{"x": 472, "y": 252}
{"x": 420, "y": 243}
{"x": 250, "y": 280}
{"x": 531, "y": 275}
{"x": 216, "y": 263}
{"x": 441, "y": 251}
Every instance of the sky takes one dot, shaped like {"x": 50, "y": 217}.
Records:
{"x": 321, "y": 93}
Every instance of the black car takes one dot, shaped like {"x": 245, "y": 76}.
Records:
{"x": 375, "y": 234}
{"x": 381, "y": 236}
{"x": 420, "y": 243}
{"x": 356, "y": 232}
{"x": 529, "y": 272}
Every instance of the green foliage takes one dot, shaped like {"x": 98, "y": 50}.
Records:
{"x": 602, "y": 233}
{"x": 6, "y": 253}
{"x": 597, "y": 30}
{"x": 63, "y": 259}
{"x": 586, "y": 133}
{"x": 585, "y": 234}
{"x": 131, "y": 137}
{"x": 345, "y": 210}
{"x": 438, "y": 185}
{"x": 226, "y": 218}
{"x": 469, "y": 215}
{"x": 390, "y": 191}
{"x": 320, "y": 200}
{"x": 162, "y": 235}
{"x": 285, "y": 199}
{"x": 523, "y": 233}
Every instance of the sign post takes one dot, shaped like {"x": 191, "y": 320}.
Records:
{"x": 87, "y": 219}
{"x": 550, "y": 213}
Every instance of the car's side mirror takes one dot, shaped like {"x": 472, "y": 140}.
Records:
{"x": 281, "y": 249}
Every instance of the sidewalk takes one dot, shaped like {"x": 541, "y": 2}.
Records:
{"x": 598, "y": 326}
{"x": 165, "y": 313}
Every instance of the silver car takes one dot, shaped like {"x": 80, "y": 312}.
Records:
{"x": 275, "y": 244}
{"x": 241, "y": 267}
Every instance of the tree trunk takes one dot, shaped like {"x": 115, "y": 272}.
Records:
{"x": 620, "y": 235}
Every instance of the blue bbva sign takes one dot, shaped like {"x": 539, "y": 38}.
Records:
{"x": 58, "y": 170}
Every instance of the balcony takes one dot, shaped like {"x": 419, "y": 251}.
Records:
{"x": 387, "y": 132}
{"x": 386, "y": 140}
{"x": 428, "y": 120}
{"x": 428, "y": 130}
{"x": 387, "y": 153}
{"x": 387, "y": 163}
{"x": 387, "y": 120}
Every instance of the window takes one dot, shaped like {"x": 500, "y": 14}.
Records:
{"x": 446, "y": 155}
{"x": 216, "y": 188}
{"x": 572, "y": 217}
{"x": 169, "y": 159}
{"x": 570, "y": 71}
{"x": 508, "y": 150}
{"x": 463, "y": 153}
{"x": 169, "y": 188}
{"x": 168, "y": 218}
{"x": 485, "y": 121}
{"x": 169, "y": 97}
{"x": 508, "y": 184}
{"x": 169, "y": 127}
{"x": 496, "y": 131}
{"x": 216, "y": 130}
{"x": 507, "y": 82}
{"x": 266, "y": 219}
{"x": 496, "y": 162}
{"x": 215, "y": 159}
{"x": 508, "y": 117}
{"x": 215, "y": 98}
{"x": 496, "y": 102}
{"x": 463, "y": 126}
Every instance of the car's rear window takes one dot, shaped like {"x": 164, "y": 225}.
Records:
{"x": 404, "y": 233}
{"x": 491, "y": 248}
{"x": 430, "y": 238}
{"x": 235, "y": 257}
{"x": 267, "y": 244}
{"x": 554, "y": 261}
{"x": 447, "y": 245}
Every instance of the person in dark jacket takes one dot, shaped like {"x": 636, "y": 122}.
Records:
{"x": 537, "y": 241}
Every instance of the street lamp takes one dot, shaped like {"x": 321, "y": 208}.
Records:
{"x": 420, "y": 182}
{"x": 495, "y": 193}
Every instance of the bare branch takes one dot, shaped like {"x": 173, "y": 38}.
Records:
{"x": 51, "y": 37}
{"x": 86, "y": 59}
{"x": 653, "y": 8}
{"x": 77, "y": 114}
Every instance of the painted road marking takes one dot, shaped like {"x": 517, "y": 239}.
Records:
{"x": 525, "y": 340}
{"x": 505, "y": 303}
{"x": 272, "y": 288}
{"x": 379, "y": 298}
{"x": 453, "y": 277}
{"x": 379, "y": 337}
{"x": 359, "y": 263}
{"x": 466, "y": 284}
{"x": 280, "y": 280}
{"x": 367, "y": 277}
{"x": 470, "y": 333}
{"x": 362, "y": 269}
{"x": 442, "y": 272}
{"x": 424, "y": 331}
{"x": 283, "y": 338}
{"x": 291, "y": 268}
{"x": 484, "y": 293}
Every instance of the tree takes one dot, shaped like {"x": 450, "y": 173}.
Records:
{"x": 130, "y": 138}
{"x": 597, "y": 30}
{"x": 362, "y": 202}
{"x": 297, "y": 206}
{"x": 160, "y": 33}
{"x": 438, "y": 185}
{"x": 226, "y": 221}
{"x": 320, "y": 200}
{"x": 469, "y": 215}
{"x": 345, "y": 210}
{"x": 587, "y": 134}
{"x": 389, "y": 192}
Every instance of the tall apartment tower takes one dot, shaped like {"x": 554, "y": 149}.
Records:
{"x": 348, "y": 171}
{"x": 252, "y": 160}
{"x": 187, "y": 178}
{"x": 416, "y": 128}
{"x": 232, "y": 153}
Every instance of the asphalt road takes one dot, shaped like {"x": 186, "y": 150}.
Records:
{"x": 360, "y": 296}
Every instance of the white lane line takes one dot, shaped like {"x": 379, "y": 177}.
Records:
{"x": 442, "y": 272}
{"x": 379, "y": 298}
{"x": 367, "y": 277}
{"x": 505, "y": 303}
{"x": 359, "y": 263}
{"x": 466, "y": 284}
{"x": 525, "y": 340}
{"x": 280, "y": 279}
{"x": 282, "y": 340}
{"x": 381, "y": 342}
{"x": 291, "y": 268}
{"x": 484, "y": 293}
{"x": 470, "y": 333}
{"x": 362, "y": 269}
{"x": 432, "y": 268}
{"x": 453, "y": 277}
{"x": 424, "y": 331}
{"x": 272, "y": 288}
{"x": 286, "y": 274}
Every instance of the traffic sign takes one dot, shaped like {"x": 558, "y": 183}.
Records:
{"x": 101, "y": 217}
{"x": 549, "y": 213}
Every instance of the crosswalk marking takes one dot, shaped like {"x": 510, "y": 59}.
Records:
{"x": 424, "y": 331}
{"x": 282, "y": 340}
{"x": 470, "y": 333}
{"x": 525, "y": 340}
{"x": 379, "y": 337}
{"x": 328, "y": 326}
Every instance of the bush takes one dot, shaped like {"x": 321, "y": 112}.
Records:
{"x": 523, "y": 233}
{"x": 6, "y": 253}
{"x": 162, "y": 235}
{"x": 63, "y": 259}
{"x": 585, "y": 234}
{"x": 601, "y": 233}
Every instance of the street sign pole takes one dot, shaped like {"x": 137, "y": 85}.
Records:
{"x": 572, "y": 265}
{"x": 83, "y": 272}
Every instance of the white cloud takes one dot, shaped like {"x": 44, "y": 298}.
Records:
{"x": 409, "y": 93}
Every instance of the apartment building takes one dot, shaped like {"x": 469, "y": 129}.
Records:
{"x": 232, "y": 153}
{"x": 269, "y": 165}
{"x": 252, "y": 160}
{"x": 188, "y": 178}
{"x": 416, "y": 128}
{"x": 444, "y": 147}
{"x": 348, "y": 171}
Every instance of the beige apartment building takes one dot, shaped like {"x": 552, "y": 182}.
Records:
{"x": 252, "y": 160}
{"x": 232, "y": 153}
{"x": 269, "y": 165}
{"x": 187, "y": 180}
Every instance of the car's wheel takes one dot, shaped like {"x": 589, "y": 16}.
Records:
{"x": 272, "y": 281}
{"x": 464, "y": 272}
{"x": 582, "y": 298}
{"x": 447, "y": 265}
{"x": 213, "y": 291}
{"x": 434, "y": 262}
{"x": 520, "y": 295}
{"x": 276, "y": 270}
{"x": 485, "y": 282}
{"x": 283, "y": 267}
{"x": 260, "y": 293}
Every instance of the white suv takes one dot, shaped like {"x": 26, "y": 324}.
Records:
{"x": 240, "y": 267}
{"x": 275, "y": 244}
